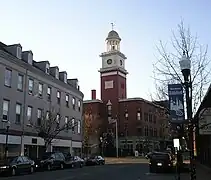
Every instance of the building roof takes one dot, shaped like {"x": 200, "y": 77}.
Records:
{"x": 113, "y": 35}
{"x": 4, "y": 53}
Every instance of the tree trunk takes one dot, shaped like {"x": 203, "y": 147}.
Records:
{"x": 48, "y": 147}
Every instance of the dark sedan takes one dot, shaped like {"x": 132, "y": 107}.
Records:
{"x": 51, "y": 160}
{"x": 95, "y": 160}
{"x": 17, "y": 165}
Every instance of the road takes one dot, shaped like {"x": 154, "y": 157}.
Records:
{"x": 132, "y": 171}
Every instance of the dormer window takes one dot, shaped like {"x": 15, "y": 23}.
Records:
{"x": 47, "y": 69}
{"x": 19, "y": 52}
{"x": 57, "y": 74}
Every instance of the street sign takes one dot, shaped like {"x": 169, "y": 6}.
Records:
{"x": 205, "y": 122}
{"x": 176, "y": 103}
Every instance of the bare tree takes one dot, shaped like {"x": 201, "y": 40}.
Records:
{"x": 49, "y": 126}
{"x": 167, "y": 69}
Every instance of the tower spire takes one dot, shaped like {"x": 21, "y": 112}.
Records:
{"x": 112, "y": 26}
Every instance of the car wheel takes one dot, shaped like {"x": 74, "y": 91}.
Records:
{"x": 31, "y": 169}
{"x": 13, "y": 171}
{"x": 48, "y": 167}
{"x": 61, "y": 166}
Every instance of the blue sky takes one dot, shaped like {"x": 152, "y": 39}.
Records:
{"x": 71, "y": 34}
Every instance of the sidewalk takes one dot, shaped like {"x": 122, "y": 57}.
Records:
{"x": 113, "y": 160}
{"x": 202, "y": 173}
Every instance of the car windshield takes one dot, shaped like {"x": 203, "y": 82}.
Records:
{"x": 160, "y": 156}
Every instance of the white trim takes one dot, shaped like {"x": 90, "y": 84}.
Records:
{"x": 11, "y": 139}
{"x": 62, "y": 143}
{"x": 121, "y": 74}
{"x": 112, "y": 73}
{"x": 132, "y": 99}
{"x": 76, "y": 144}
{"x": 108, "y": 73}
{"x": 92, "y": 101}
{"x": 27, "y": 140}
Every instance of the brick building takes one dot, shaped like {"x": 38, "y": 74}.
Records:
{"x": 142, "y": 124}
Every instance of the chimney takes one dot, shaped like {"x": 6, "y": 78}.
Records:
{"x": 93, "y": 94}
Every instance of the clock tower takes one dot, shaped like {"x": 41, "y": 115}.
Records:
{"x": 113, "y": 72}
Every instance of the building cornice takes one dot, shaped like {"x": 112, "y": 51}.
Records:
{"x": 140, "y": 99}
{"x": 92, "y": 101}
{"x": 114, "y": 52}
{"x": 110, "y": 69}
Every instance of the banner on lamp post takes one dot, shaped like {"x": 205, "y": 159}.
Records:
{"x": 176, "y": 103}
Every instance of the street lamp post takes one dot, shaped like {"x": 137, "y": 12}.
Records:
{"x": 126, "y": 129}
{"x": 101, "y": 142}
{"x": 6, "y": 142}
{"x": 185, "y": 65}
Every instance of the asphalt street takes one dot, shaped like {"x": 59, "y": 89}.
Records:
{"x": 132, "y": 171}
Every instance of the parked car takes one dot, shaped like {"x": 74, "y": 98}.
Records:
{"x": 95, "y": 160}
{"x": 51, "y": 160}
{"x": 73, "y": 161}
{"x": 161, "y": 161}
{"x": 17, "y": 165}
{"x": 77, "y": 162}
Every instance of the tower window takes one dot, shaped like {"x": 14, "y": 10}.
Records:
{"x": 113, "y": 47}
{"x": 121, "y": 63}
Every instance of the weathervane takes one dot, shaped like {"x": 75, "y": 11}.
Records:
{"x": 112, "y": 26}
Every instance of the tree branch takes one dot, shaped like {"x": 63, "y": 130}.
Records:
{"x": 50, "y": 126}
{"x": 167, "y": 69}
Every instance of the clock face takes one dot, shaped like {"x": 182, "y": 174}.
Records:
{"x": 109, "y": 61}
